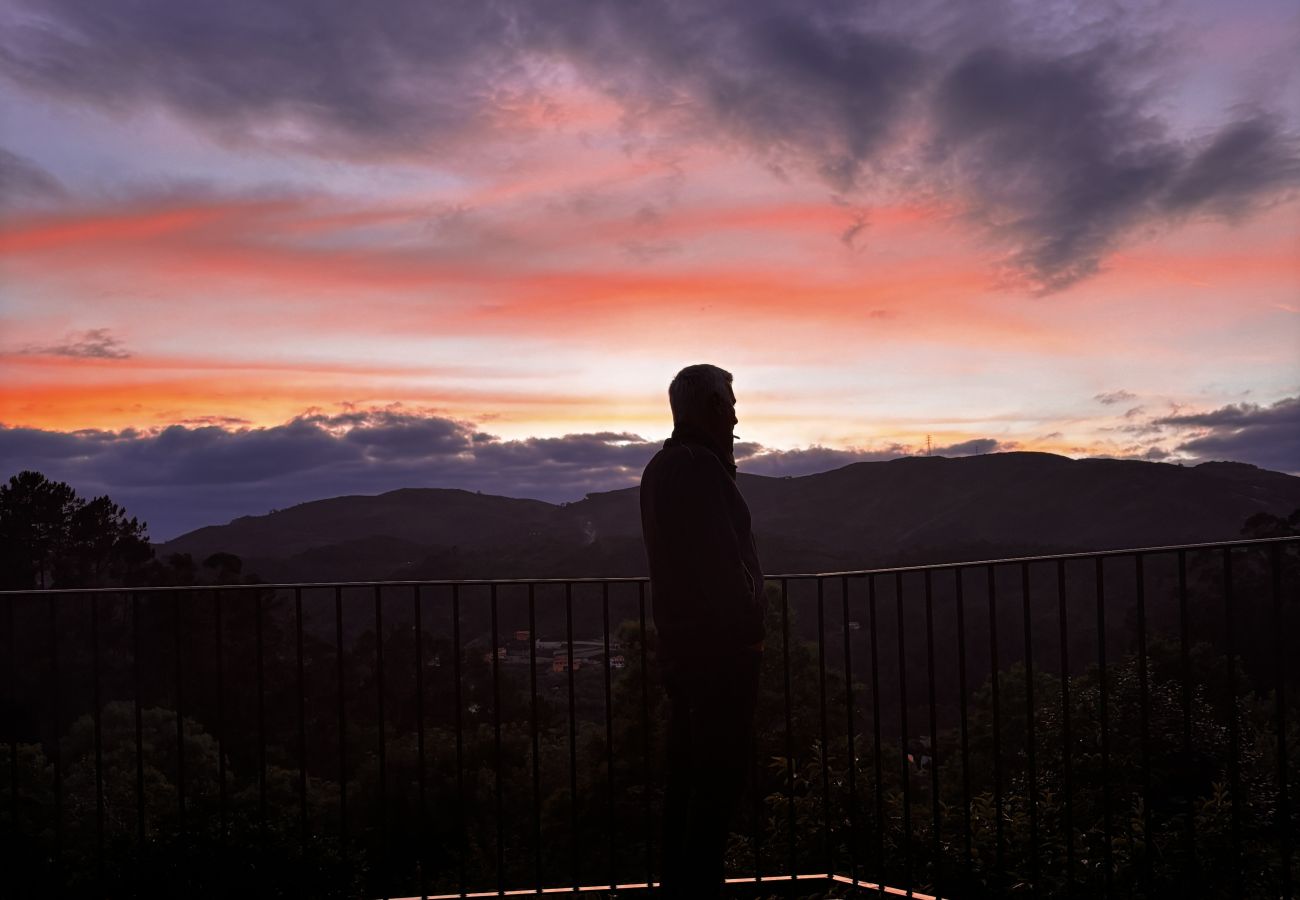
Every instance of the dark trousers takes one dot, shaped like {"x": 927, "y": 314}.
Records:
{"x": 710, "y": 753}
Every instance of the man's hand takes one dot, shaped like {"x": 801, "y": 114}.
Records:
{"x": 758, "y": 646}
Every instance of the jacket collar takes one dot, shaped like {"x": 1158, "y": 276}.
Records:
{"x": 685, "y": 434}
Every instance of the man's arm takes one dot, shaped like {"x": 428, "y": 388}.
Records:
{"x": 699, "y": 524}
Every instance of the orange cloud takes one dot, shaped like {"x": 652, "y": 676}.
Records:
{"x": 287, "y": 271}
{"x": 1278, "y": 261}
{"x": 67, "y": 394}
{"x": 38, "y": 234}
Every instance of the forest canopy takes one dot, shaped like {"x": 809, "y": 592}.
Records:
{"x": 50, "y": 537}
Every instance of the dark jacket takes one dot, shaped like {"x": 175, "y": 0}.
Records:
{"x": 705, "y": 579}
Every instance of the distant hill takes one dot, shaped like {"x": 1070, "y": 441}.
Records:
{"x": 902, "y": 511}
{"x": 360, "y": 537}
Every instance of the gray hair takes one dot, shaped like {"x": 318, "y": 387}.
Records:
{"x": 693, "y": 388}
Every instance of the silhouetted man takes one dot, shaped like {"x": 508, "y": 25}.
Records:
{"x": 708, "y": 609}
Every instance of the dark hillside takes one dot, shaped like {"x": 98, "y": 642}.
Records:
{"x": 910, "y": 510}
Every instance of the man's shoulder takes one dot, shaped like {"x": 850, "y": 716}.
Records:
{"x": 680, "y": 457}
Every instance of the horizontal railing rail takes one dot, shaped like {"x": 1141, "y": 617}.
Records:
{"x": 1080, "y": 724}
{"x": 642, "y": 579}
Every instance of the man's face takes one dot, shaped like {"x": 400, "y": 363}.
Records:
{"x": 725, "y": 415}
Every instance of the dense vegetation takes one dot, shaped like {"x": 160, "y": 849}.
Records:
{"x": 52, "y": 538}
{"x": 259, "y": 788}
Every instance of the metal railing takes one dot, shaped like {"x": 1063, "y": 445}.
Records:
{"x": 1087, "y": 724}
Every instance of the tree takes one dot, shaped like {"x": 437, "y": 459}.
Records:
{"x": 50, "y": 537}
{"x": 226, "y": 566}
{"x": 1267, "y": 525}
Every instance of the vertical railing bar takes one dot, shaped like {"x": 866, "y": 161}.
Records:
{"x": 875, "y": 734}
{"x": 383, "y": 742}
{"x": 573, "y": 738}
{"x": 1185, "y": 656}
{"x": 13, "y": 702}
{"x": 99, "y": 735}
{"x": 1233, "y": 738}
{"x": 422, "y": 827}
{"x": 997, "y": 720}
{"x": 302, "y": 719}
{"x": 1144, "y": 712}
{"x": 56, "y": 753}
{"x": 532, "y": 720}
{"x": 965, "y": 732}
{"x": 935, "y": 811}
{"x": 221, "y": 711}
{"x": 609, "y": 733}
{"x": 1102, "y": 697}
{"x": 261, "y": 711}
{"x": 757, "y": 796}
{"x": 180, "y": 715}
{"x": 460, "y": 737}
{"x": 850, "y": 733}
{"x": 825, "y": 735}
{"x": 140, "y": 825}
{"x": 789, "y": 723}
{"x": 1030, "y": 739}
{"x": 1279, "y": 675}
{"x": 342, "y": 717}
{"x": 756, "y": 819}
{"x": 645, "y": 742}
{"x": 496, "y": 742}
{"x": 1066, "y": 742}
{"x": 902, "y": 722}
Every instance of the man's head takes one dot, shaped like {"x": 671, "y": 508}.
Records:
{"x": 701, "y": 398}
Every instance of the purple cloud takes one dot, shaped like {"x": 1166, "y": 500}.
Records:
{"x": 182, "y": 477}
{"x": 1110, "y": 398}
{"x": 753, "y": 459}
{"x": 1267, "y": 436}
{"x": 96, "y": 343}
{"x": 23, "y": 181}
{"x": 974, "y": 447}
{"x": 1041, "y": 130}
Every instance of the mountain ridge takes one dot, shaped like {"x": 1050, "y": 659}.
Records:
{"x": 865, "y": 514}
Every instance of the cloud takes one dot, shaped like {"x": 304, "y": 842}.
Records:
{"x": 181, "y": 477}
{"x": 758, "y": 460}
{"x": 294, "y": 73}
{"x": 1112, "y": 397}
{"x": 1064, "y": 160}
{"x": 1267, "y": 436}
{"x": 1144, "y": 453}
{"x": 22, "y": 180}
{"x": 341, "y": 80}
{"x": 974, "y": 447}
{"x": 96, "y": 343}
{"x": 1051, "y": 140}
{"x": 754, "y": 459}
{"x": 214, "y": 420}
{"x": 650, "y": 251}
{"x": 1247, "y": 159}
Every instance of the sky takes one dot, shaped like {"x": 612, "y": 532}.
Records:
{"x": 256, "y": 253}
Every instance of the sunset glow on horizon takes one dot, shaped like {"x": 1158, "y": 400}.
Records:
{"x": 445, "y": 250}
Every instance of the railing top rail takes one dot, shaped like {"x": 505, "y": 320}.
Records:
{"x": 635, "y": 579}
{"x": 1083, "y": 554}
